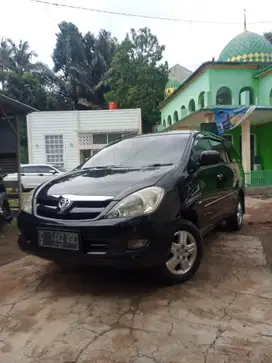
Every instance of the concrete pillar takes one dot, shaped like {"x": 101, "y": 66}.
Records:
{"x": 246, "y": 157}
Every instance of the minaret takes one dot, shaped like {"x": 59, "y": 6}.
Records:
{"x": 245, "y": 22}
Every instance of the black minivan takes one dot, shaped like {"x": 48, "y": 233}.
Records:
{"x": 142, "y": 202}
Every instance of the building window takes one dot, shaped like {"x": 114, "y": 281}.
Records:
{"x": 270, "y": 98}
{"x": 176, "y": 116}
{"x": 201, "y": 100}
{"x": 100, "y": 138}
{"x": 192, "y": 107}
{"x": 223, "y": 96}
{"x": 113, "y": 137}
{"x": 246, "y": 96}
{"x": 169, "y": 121}
{"x": 183, "y": 111}
{"x": 54, "y": 150}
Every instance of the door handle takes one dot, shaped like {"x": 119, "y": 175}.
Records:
{"x": 22, "y": 174}
{"x": 40, "y": 174}
{"x": 220, "y": 176}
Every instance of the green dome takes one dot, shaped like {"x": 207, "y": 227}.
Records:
{"x": 247, "y": 47}
{"x": 171, "y": 86}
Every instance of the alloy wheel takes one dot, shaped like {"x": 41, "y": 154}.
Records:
{"x": 183, "y": 253}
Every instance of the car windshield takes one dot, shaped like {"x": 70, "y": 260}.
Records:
{"x": 144, "y": 151}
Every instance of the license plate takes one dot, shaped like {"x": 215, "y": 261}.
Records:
{"x": 59, "y": 239}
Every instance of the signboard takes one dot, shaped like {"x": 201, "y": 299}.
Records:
{"x": 229, "y": 118}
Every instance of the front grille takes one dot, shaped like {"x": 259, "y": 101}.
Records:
{"x": 48, "y": 208}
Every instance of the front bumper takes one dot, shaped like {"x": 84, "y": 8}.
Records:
{"x": 110, "y": 238}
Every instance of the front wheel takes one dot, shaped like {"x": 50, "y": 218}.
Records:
{"x": 186, "y": 254}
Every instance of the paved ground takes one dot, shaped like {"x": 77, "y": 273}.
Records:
{"x": 223, "y": 315}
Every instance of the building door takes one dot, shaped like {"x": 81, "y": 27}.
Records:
{"x": 86, "y": 154}
{"x": 252, "y": 148}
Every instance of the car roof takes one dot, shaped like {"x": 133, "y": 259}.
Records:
{"x": 36, "y": 165}
{"x": 169, "y": 133}
{"x": 183, "y": 132}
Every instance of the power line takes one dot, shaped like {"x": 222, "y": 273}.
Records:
{"x": 143, "y": 16}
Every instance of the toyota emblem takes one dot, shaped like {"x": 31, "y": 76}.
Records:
{"x": 64, "y": 203}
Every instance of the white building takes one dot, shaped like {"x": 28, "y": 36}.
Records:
{"x": 66, "y": 138}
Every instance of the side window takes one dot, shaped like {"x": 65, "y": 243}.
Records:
{"x": 43, "y": 169}
{"x": 234, "y": 157}
{"x": 28, "y": 170}
{"x": 200, "y": 145}
{"x": 219, "y": 146}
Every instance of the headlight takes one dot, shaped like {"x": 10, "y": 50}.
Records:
{"x": 27, "y": 202}
{"x": 142, "y": 202}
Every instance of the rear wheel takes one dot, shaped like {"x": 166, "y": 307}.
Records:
{"x": 185, "y": 255}
{"x": 235, "y": 222}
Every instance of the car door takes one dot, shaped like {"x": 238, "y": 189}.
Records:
{"x": 227, "y": 197}
{"x": 46, "y": 173}
{"x": 28, "y": 177}
{"x": 205, "y": 179}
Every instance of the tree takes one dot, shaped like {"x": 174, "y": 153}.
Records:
{"x": 137, "y": 76}
{"x": 268, "y": 36}
{"x": 81, "y": 61}
{"x": 29, "y": 82}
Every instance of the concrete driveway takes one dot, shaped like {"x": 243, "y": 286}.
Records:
{"x": 223, "y": 315}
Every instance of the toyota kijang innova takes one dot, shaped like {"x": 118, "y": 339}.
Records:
{"x": 142, "y": 202}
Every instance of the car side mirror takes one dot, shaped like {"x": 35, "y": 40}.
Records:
{"x": 53, "y": 171}
{"x": 210, "y": 157}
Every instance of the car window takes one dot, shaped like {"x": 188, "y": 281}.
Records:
{"x": 219, "y": 146}
{"x": 201, "y": 144}
{"x": 44, "y": 169}
{"x": 232, "y": 153}
{"x": 29, "y": 169}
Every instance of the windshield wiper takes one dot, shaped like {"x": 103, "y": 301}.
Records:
{"x": 104, "y": 167}
{"x": 157, "y": 165}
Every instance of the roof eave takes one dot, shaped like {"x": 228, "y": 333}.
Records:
{"x": 15, "y": 106}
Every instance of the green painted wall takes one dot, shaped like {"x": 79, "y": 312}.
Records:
{"x": 265, "y": 87}
{"x": 233, "y": 78}
{"x": 193, "y": 91}
{"x": 263, "y": 144}
{"x": 209, "y": 82}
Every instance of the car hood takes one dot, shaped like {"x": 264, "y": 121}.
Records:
{"x": 113, "y": 182}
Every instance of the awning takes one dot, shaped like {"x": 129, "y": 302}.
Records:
{"x": 13, "y": 107}
{"x": 259, "y": 116}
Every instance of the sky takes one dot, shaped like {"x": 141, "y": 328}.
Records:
{"x": 187, "y": 43}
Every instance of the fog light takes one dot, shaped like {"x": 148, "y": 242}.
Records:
{"x": 137, "y": 244}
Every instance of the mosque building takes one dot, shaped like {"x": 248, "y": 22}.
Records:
{"x": 242, "y": 76}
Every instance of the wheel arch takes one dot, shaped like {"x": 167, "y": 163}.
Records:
{"x": 190, "y": 215}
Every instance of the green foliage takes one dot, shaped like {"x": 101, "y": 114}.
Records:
{"x": 81, "y": 61}
{"x": 89, "y": 70}
{"x": 137, "y": 76}
{"x": 268, "y": 36}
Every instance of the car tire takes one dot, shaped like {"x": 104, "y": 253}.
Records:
{"x": 186, "y": 252}
{"x": 235, "y": 222}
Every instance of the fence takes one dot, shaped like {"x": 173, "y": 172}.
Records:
{"x": 258, "y": 178}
